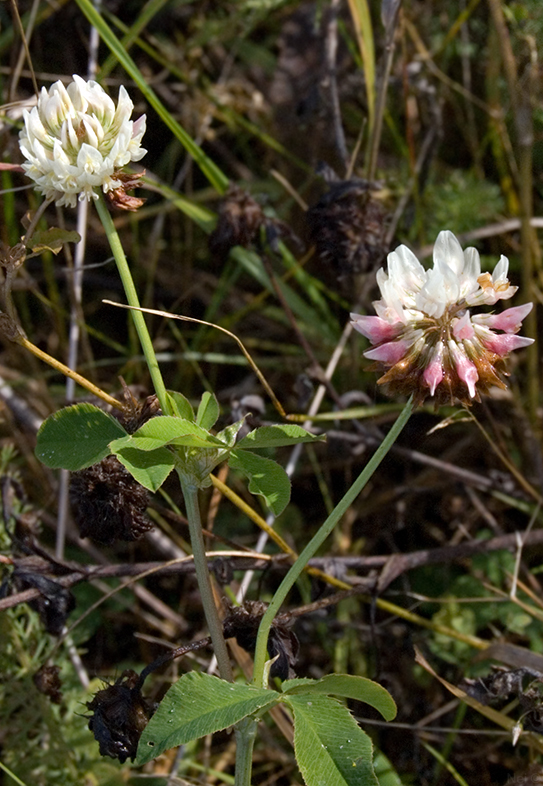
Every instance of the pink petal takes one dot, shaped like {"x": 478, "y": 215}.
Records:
{"x": 463, "y": 329}
{"x": 504, "y": 343}
{"x": 465, "y": 369}
{"x": 388, "y": 353}
{"x": 510, "y": 320}
{"x": 433, "y": 374}
{"x": 375, "y": 328}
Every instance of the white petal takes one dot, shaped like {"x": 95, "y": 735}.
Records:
{"x": 440, "y": 290}
{"x": 448, "y": 252}
{"x": 472, "y": 263}
{"x": 76, "y": 138}
{"x": 501, "y": 270}
{"x": 405, "y": 269}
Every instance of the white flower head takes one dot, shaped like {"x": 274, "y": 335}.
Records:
{"x": 424, "y": 335}
{"x": 76, "y": 140}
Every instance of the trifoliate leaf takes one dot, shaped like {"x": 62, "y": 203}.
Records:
{"x": 208, "y": 411}
{"x": 331, "y": 748}
{"x": 347, "y": 686}
{"x": 150, "y": 468}
{"x": 165, "y": 430}
{"x": 266, "y": 478}
{"x": 277, "y": 436}
{"x": 199, "y": 704}
{"x": 181, "y": 406}
{"x": 76, "y": 437}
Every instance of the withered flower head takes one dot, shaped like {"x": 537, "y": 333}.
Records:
{"x": 108, "y": 504}
{"x": 47, "y": 681}
{"x": 119, "y": 199}
{"x": 524, "y": 683}
{"x": 242, "y": 623}
{"x": 136, "y": 412}
{"x": 120, "y": 714}
{"x": 348, "y": 227}
{"x": 54, "y": 602}
{"x": 239, "y": 220}
{"x": 424, "y": 335}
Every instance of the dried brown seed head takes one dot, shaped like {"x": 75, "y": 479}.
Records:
{"x": 120, "y": 714}
{"x": 47, "y": 681}
{"x": 108, "y": 504}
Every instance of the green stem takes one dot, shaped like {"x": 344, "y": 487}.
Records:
{"x": 316, "y": 542}
{"x": 245, "y": 740}
{"x": 190, "y": 495}
{"x": 132, "y": 298}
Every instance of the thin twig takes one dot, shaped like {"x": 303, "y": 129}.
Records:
{"x": 330, "y": 50}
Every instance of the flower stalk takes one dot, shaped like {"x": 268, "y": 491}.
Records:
{"x": 316, "y": 542}
{"x": 132, "y": 297}
{"x": 190, "y": 495}
{"x": 245, "y": 732}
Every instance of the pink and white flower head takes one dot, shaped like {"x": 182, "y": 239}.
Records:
{"x": 76, "y": 140}
{"x": 424, "y": 335}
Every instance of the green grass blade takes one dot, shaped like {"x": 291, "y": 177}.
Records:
{"x": 215, "y": 176}
{"x": 360, "y": 13}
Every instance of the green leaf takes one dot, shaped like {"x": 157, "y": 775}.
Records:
{"x": 52, "y": 239}
{"x": 266, "y": 478}
{"x": 331, "y": 748}
{"x": 181, "y": 406}
{"x": 349, "y": 687}
{"x": 167, "y": 430}
{"x": 385, "y": 772}
{"x": 228, "y": 435}
{"x": 196, "y": 705}
{"x": 208, "y": 411}
{"x": 76, "y": 437}
{"x": 278, "y": 436}
{"x": 150, "y": 468}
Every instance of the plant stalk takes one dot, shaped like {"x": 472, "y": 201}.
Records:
{"x": 245, "y": 739}
{"x": 132, "y": 297}
{"x": 67, "y": 371}
{"x": 190, "y": 494}
{"x": 316, "y": 542}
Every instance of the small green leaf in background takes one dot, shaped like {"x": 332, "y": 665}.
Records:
{"x": 76, "y": 437}
{"x": 208, "y": 411}
{"x": 181, "y": 406}
{"x": 52, "y": 239}
{"x": 385, "y": 772}
{"x": 266, "y": 478}
{"x": 150, "y": 468}
{"x": 199, "y": 704}
{"x": 331, "y": 748}
{"x": 348, "y": 687}
{"x": 278, "y": 436}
